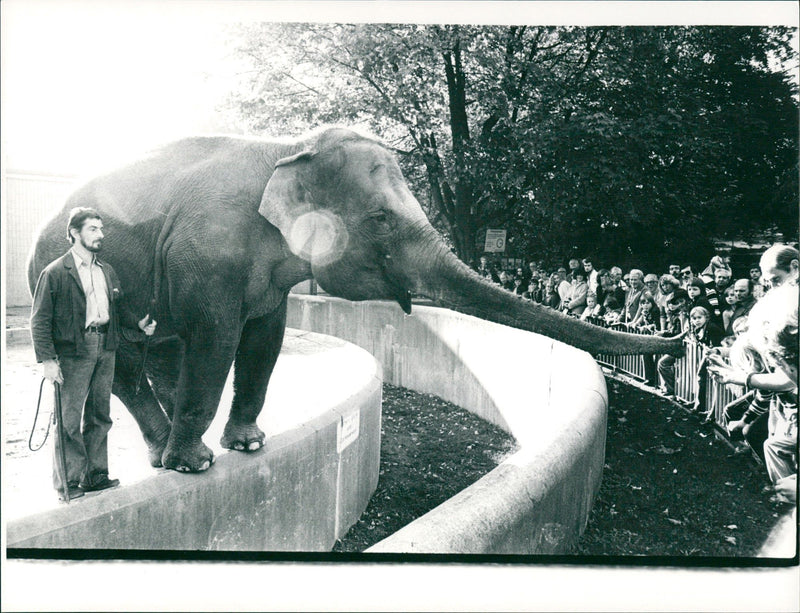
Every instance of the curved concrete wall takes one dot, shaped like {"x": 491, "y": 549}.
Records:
{"x": 551, "y": 397}
{"x": 301, "y": 492}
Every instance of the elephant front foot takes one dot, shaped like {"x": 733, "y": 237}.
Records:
{"x": 154, "y": 454}
{"x": 155, "y": 451}
{"x": 189, "y": 458}
{"x": 242, "y": 437}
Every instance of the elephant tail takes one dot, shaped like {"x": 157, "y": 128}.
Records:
{"x": 158, "y": 260}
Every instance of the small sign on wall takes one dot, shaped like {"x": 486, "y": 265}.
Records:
{"x": 347, "y": 430}
{"x": 495, "y": 241}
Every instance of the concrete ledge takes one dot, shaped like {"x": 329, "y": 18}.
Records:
{"x": 301, "y": 492}
{"x": 551, "y": 397}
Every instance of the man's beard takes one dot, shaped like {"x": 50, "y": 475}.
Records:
{"x": 93, "y": 248}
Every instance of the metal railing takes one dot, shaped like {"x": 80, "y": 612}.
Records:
{"x": 691, "y": 375}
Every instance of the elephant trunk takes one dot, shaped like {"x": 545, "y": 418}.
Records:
{"x": 434, "y": 272}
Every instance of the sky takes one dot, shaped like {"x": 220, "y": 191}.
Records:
{"x": 88, "y": 87}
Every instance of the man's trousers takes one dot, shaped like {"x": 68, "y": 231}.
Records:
{"x": 86, "y": 411}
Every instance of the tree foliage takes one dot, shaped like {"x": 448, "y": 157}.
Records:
{"x": 628, "y": 143}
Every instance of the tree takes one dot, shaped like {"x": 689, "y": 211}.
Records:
{"x": 626, "y": 143}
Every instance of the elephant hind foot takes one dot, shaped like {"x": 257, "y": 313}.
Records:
{"x": 188, "y": 458}
{"x": 242, "y": 437}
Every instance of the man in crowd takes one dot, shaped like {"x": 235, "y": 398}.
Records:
{"x": 686, "y": 276}
{"x": 651, "y": 284}
{"x": 486, "y": 271}
{"x": 779, "y": 265}
{"x": 78, "y": 308}
{"x": 616, "y": 278}
{"x": 675, "y": 270}
{"x": 758, "y": 286}
{"x": 573, "y": 266}
{"x": 633, "y": 295}
{"x": 564, "y": 288}
{"x": 533, "y": 270}
{"x": 745, "y": 301}
{"x": 591, "y": 275}
{"x": 716, "y": 292}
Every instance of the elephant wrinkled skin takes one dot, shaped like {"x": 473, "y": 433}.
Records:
{"x": 209, "y": 234}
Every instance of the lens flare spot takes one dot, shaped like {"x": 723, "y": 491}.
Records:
{"x": 319, "y": 237}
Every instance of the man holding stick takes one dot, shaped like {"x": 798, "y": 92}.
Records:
{"x": 77, "y": 312}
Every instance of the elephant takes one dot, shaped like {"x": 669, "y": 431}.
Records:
{"x": 208, "y": 234}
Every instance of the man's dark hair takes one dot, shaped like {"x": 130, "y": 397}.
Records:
{"x": 78, "y": 217}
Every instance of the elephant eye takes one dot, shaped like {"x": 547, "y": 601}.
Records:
{"x": 380, "y": 221}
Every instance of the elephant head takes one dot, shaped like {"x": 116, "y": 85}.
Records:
{"x": 343, "y": 205}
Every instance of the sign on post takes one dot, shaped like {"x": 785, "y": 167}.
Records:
{"x": 495, "y": 241}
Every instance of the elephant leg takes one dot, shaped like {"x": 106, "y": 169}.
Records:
{"x": 152, "y": 421}
{"x": 256, "y": 355}
{"x": 207, "y": 358}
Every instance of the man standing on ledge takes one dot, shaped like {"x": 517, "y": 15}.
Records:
{"x": 75, "y": 324}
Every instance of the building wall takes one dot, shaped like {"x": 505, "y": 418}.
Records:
{"x": 28, "y": 200}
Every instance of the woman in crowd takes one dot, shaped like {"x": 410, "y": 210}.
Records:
{"x": 551, "y": 297}
{"x": 576, "y": 301}
{"x": 667, "y": 285}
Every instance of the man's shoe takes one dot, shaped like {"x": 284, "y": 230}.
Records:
{"x": 73, "y": 491}
{"x": 101, "y": 482}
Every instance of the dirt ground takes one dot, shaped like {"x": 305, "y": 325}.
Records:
{"x": 672, "y": 488}
{"x": 430, "y": 451}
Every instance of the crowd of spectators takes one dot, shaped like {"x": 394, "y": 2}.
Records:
{"x": 746, "y": 329}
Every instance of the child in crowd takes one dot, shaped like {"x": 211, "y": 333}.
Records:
{"x": 647, "y": 321}
{"x": 591, "y": 303}
{"x": 613, "y": 310}
{"x": 697, "y": 294}
{"x": 707, "y": 334}
{"x": 703, "y": 330}
{"x": 534, "y": 292}
{"x": 727, "y": 313}
{"x": 676, "y": 323}
{"x": 647, "y": 317}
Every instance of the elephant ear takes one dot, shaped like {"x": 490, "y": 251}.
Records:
{"x": 285, "y": 198}
{"x": 288, "y": 205}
